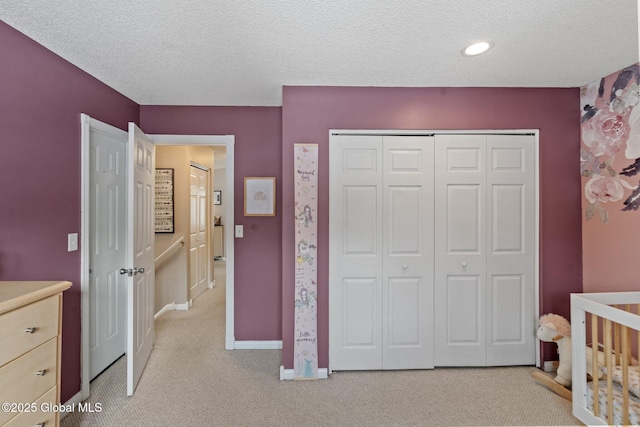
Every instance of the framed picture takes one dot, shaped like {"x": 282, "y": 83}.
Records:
{"x": 217, "y": 197}
{"x": 164, "y": 222}
{"x": 259, "y": 196}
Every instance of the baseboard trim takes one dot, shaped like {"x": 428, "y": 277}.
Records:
{"x": 288, "y": 374}
{"x": 258, "y": 345}
{"x": 171, "y": 307}
{"x": 71, "y": 403}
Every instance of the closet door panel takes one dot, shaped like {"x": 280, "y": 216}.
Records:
{"x": 408, "y": 252}
{"x": 355, "y": 241}
{"x": 460, "y": 250}
{"x": 511, "y": 232}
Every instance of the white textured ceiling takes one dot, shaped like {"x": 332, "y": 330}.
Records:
{"x": 241, "y": 52}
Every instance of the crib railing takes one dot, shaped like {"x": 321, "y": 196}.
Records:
{"x": 614, "y": 323}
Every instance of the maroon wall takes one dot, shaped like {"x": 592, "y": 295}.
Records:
{"x": 258, "y": 132}
{"x": 309, "y": 112}
{"x": 41, "y": 98}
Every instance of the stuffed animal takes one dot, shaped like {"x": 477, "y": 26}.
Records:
{"x": 555, "y": 328}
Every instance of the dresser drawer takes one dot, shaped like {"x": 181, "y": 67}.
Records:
{"x": 14, "y": 338}
{"x": 45, "y": 419}
{"x": 20, "y": 381}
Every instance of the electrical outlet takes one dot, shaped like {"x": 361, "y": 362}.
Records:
{"x": 239, "y": 231}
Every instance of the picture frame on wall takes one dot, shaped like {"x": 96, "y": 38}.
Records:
{"x": 217, "y": 197}
{"x": 164, "y": 209}
{"x": 259, "y": 196}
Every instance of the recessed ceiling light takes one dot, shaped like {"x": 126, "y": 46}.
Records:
{"x": 477, "y": 48}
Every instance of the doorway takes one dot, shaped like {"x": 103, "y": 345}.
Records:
{"x": 87, "y": 124}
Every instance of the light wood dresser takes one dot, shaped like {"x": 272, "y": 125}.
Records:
{"x": 30, "y": 348}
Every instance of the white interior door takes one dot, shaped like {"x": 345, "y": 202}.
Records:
{"x": 511, "y": 234}
{"x": 198, "y": 235}
{"x": 381, "y": 269}
{"x": 485, "y": 250}
{"x": 407, "y": 237}
{"x": 460, "y": 242}
{"x": 140, "y": 254}
{"x": 355, "y": 239}
{"x": 107, "y": 247}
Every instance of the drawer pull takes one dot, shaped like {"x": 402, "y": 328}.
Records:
{"x": 41, "y": 373}
{"x": 40, "y": 424}
{"x": 31, "y": 330}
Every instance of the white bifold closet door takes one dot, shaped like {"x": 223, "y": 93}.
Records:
{"x": 381, "y": 244}
{"x": 484, "y": 250}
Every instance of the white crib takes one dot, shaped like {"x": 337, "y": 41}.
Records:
{"x": 611, "y": 320}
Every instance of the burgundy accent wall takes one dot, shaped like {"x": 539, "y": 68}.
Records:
{"x": 41, "y": 98}
{"x": 258, "y": 261}
{"x": 309, "y": 112}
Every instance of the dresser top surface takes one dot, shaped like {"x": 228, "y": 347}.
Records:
{"x": 17, "y": 294}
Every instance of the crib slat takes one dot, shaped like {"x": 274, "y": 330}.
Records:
{"x": 594, "y": 364}
{"x": 638, "y": 336}
{"x": 625, "y": 375}
{"x": 607, "y": 357}
{"x": 616, "y": 341}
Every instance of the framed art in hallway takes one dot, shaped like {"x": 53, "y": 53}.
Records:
{"x": 259, "y": 196}
{"x": 217, "y": 197}
{"x": 164, "y": 212}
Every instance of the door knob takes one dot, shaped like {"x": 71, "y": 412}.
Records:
{"x": 131, "y": 271}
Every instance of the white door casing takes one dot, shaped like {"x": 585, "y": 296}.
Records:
{"x": 485, "y": 250}
{"x": 140, "y": 255}
{"x": 381, "y": 270}
{"x": 228, "y": 141}
{"x": 199, "y": 265}
{"x": 107, "y": 246}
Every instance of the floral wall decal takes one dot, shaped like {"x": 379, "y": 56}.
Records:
{"x": 610, "y": 128}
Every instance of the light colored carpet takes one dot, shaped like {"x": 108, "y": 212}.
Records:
{"x": 191, "y": 380}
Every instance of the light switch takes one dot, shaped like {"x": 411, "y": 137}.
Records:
{"x": 239, "y": 231}
{"x": 72, "y": 242}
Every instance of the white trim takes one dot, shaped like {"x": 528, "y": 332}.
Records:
{"x": 87, "y": 124}
{"x": 172, "y": 306}
{"x": 288, "y": 374}
{"x": 71, "y": 403}
{"x": 184, "y": 306}
{"x": 258, "y": 345}
{"x": 536, "y": 243}
{"x": 227, "y": 141}
{"x": 426, "y": 132}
